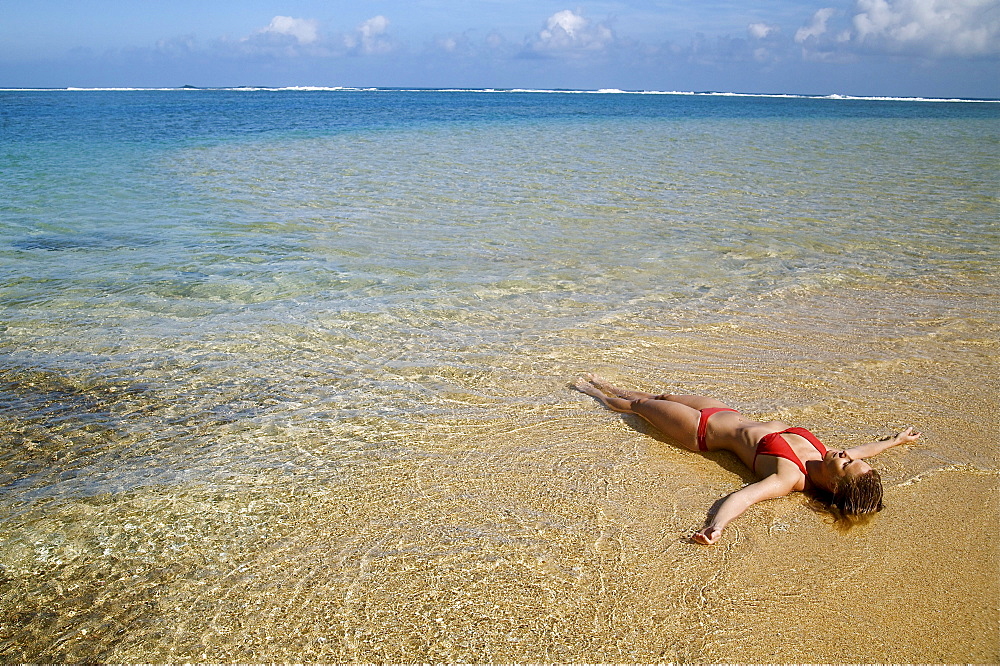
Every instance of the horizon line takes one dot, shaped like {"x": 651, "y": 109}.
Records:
{"x": 604, "y": 91}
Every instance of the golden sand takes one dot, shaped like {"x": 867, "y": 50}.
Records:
{"x": 523, "y": 522}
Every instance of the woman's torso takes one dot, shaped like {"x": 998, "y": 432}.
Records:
{"x": 736, "y": 433}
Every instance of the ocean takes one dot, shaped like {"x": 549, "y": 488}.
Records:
{"x": 285, "y": 373}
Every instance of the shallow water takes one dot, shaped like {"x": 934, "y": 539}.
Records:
{"x": 286, "y": 375}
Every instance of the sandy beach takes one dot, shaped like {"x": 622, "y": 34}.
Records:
{"x": 549, "y": 529}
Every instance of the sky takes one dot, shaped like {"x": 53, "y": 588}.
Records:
{"x": 908, "y": 48}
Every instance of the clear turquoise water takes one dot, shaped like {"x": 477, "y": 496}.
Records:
{"x": 205, "y": 293}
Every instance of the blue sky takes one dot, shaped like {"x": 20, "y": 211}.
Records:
{"x": 933, "y": 48}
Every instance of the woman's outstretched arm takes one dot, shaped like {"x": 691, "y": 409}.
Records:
{"x": 738, "y": 502}
{"x": 908, "y": 436}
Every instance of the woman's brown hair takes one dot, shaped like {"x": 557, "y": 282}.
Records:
{"x": 859, "y": 495}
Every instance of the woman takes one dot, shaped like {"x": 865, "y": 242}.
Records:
{"x": 786, "y": 459}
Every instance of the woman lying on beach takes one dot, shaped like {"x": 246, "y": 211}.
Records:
{"x": 785, "y": 458}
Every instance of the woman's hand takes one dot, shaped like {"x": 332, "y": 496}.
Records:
{"x": 708, "y": 536}
{"x": 907, "y": 437}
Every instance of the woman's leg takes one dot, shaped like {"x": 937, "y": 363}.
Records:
{"x": 605, "y": 387}
{"x": 698, "y": 402}
{"x": 672, "y": 417}
{"x": 595, "y": 387}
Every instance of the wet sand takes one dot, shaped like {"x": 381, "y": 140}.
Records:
{"x": 520, "y": 521}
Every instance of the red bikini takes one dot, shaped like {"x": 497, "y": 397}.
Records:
{"x": 769, "y": 445}
{"x": 776, "y": 445}
{"x": 703, "y": 424}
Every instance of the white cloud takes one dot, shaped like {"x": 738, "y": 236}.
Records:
{"x": 563, "y": 25}
{"x": 761, "y": 30}
{"x": 816, "y": 27}
{"x": 925, "y": 28}
{"x": 933, "y": 27}
{"x": 283, "y": 37}
{"x": 569, "y": 31}
{"x": 305, "y": 31}
{"x": 370, "y": 37}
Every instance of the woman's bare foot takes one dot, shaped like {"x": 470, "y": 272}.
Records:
{"x": 596, "y": 390}
{"x": 608, "y": 388}
{"x": 584, "y": 385}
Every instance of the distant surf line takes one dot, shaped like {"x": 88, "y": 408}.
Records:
{"x": 556, "y": 91}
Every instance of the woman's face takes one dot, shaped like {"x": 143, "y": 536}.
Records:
{"x": 839, "y": 464}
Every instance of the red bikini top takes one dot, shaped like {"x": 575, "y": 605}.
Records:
{"x": 776, "y": 445}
